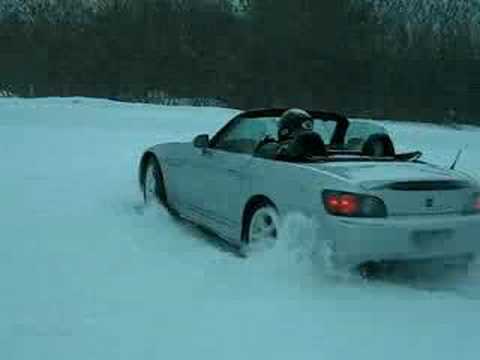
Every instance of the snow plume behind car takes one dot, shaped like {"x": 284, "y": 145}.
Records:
{"x": 296, "y": 253}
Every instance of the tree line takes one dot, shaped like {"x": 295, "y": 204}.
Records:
{"x": 341, "y": 55}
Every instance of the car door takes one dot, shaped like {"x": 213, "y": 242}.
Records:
{"x": 220, "y": 174}
{"x": 178, "y": 179}
{"x": 221, "y": 182}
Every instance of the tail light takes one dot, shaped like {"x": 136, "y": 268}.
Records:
{"x": 473, "y": 206}
{"x": 354, "y": 205}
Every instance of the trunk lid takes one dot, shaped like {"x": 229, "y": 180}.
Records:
{"x": 410, "y": 188}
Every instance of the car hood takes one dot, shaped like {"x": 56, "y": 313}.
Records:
{"x": 374, "y": 174}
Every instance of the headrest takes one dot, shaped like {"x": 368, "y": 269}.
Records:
{"x": 378, "y": 145}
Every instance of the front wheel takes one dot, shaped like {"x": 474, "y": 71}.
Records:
{"x": 154, "y": 191}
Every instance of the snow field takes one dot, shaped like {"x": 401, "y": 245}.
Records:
{"x": 86, "y": 272}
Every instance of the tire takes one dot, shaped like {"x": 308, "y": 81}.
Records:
{"x": 460, "y": 265}
{"x": 154, "y": 191}
{"x": 261, "y": 228}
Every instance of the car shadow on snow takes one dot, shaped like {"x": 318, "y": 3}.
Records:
{"x": 432, "y": 276}
{"x": 193, "y": 230}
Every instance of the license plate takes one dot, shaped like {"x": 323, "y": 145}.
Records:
{"x": 431, "y": 239}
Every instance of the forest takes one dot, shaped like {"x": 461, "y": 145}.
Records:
{"x": 387, "y": 59}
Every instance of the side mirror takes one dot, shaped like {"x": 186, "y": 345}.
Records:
{"x": 201, "y": 141}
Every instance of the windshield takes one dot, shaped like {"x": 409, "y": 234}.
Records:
{"x": 244, "y": 134}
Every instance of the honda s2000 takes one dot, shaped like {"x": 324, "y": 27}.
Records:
{"x": 370, "y": 204}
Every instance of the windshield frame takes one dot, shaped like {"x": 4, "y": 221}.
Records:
{"x": 337, "y": 150}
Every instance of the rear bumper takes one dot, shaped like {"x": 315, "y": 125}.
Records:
{"x": 355, "y": 241}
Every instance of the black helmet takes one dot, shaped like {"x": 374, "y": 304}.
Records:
{"x": 293, "y": 121}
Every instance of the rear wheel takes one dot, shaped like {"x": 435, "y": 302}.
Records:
{"x": 460, "y": 265}
{"x": 261, "y": 227}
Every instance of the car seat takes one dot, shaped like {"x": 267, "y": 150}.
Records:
{"x": 304, "y": 145}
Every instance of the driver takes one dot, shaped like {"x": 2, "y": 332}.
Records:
{"x": 291, "y": 123}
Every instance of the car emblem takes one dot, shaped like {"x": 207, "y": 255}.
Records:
{"x": 429, "y": 202}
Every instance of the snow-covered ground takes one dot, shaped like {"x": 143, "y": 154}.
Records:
{"x": 87, "y": 273}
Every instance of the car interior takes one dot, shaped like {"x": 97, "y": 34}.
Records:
{"x": 330, "y": 140}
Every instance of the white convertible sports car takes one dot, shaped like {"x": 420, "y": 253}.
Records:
{"x": 370, "y": 204}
